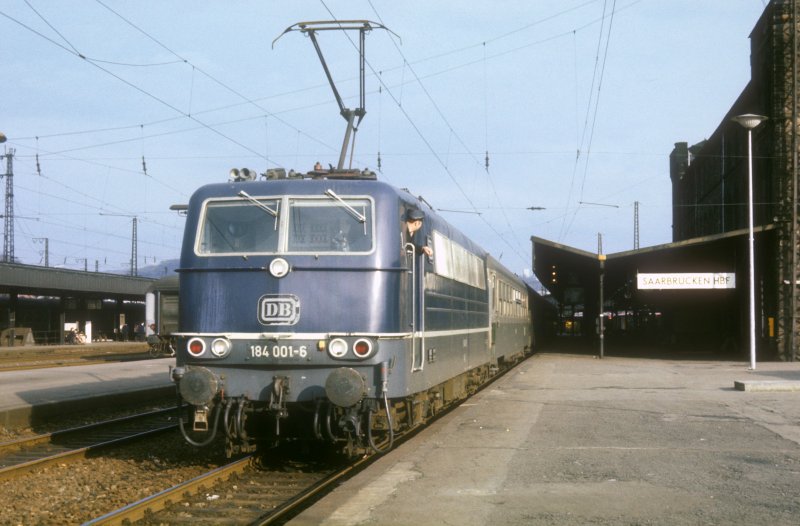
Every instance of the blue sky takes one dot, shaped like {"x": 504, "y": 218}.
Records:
{"x": 578, "y": 103}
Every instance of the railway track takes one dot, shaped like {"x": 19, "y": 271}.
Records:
{"x": 243, "y": 492}
{"x": 237, "y": 493}
{"x": 25, "y": 454}
{"x": 23, "y": 358}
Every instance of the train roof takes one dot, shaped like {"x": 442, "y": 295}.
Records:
{"x": 278, "y": 182}
{"x": 165, "y": 284}
{"x": 308, "y": 184}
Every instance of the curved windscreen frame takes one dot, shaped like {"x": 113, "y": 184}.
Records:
{"x": 235, "y": 227}
{"x": 301, "y": 225}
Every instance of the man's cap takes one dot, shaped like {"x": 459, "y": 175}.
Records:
{"x": 413, "y": 215}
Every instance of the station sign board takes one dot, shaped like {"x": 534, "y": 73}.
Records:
{"x": 686, "y": 280}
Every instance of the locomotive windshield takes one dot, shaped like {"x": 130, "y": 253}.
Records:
{"x": 262, "y": 226}
{"x": 329, "y": 226}
{"x": 239, "y": 227}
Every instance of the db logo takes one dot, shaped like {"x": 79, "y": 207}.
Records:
{"x": 278, "y": 309}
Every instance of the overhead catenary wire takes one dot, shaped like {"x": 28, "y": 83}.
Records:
{"x": 452, "y": 131}
{"x": 322, "y": 85}
{"x": 117, "y": 168}
{"x": 601, "y": 19}
{"x": 579, "y": 146}
{"x": 222, "y": 84}
{"x": 103, "y": 204}
{"x": 143, "y": 91}
{"x": 295, "y": 91}
{"x": 190, "y": 110}
{"x": 590, "y": 129}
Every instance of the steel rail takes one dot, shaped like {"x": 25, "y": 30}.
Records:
{"x": 16, "y": 454}
{"x": 164, "y": 500}
{"x": 137, "y": 510}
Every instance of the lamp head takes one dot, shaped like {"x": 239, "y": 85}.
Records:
{"x": 749, "y": 120}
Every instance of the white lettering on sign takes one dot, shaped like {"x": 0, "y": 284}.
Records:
{"x": 686, "y": 280}
{"x": 278, "y": 309}
{"x": 278, "y": 351}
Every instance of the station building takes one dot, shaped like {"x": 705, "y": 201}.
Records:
{"x": 709, "y": 230}
{"x": 38, "y": 303}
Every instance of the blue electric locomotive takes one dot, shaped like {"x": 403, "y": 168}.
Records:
{"x": 305, "y": 312}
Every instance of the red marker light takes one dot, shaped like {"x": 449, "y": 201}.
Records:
{"x": 196, "y": 347}
{"x": 362, "y": 348}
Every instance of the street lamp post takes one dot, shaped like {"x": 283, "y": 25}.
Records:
{"x": 749, "y": 122}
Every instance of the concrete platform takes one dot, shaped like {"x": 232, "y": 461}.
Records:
{"x": 568, "y": 439}
{"x": 767, "y": 385}
{"x": 31, "y": 397}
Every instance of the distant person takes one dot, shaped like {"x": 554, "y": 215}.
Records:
{"x": 318, "y": 167}
{"x": 413, "y": 223}
{"x": 138, "y": 331}
{"x": 158, "y": 345}
{"x": 124, "y": 331}
{"x": 153, "y": 338}
{"x": 341, "y": 239}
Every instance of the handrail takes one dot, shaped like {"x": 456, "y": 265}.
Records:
{"x": 409, "y": 247}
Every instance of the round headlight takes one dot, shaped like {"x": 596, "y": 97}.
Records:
{"x": 196, "y": 347}
{"x": 220, "y": 347}
{"x": 337, "y": 348}
{"x": 279, "y": 267}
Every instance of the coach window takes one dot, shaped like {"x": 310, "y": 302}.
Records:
{"x": 330, "y": 226}
{"x": 239, "y": 227}
{"x": 453, "y": 261}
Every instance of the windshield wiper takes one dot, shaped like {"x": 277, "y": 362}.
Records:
{"x": 353, "y": 212}
{"x": 262, "y": 206}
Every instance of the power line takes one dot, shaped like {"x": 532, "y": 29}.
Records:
{"x": 137, "y": 172}
{"x": 143, "y": 91}
{"x": 247, "y": 100}
{"x": 594, "y": 116}
{"x": 452, "y": 131}
{"x": 57, "y": 32}
{"x": 296, "y": 91}
{"x": 99, "y": 209}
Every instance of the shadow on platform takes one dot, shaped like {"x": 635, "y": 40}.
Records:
{"x": 630, "y": 348}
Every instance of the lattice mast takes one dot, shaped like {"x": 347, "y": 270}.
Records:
{"x": 135, "y": 248}
{"x": 784, "y": 114}
{"x": 8, "y": 229}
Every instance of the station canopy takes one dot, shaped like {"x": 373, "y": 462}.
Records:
{"x": 572, "y": 275}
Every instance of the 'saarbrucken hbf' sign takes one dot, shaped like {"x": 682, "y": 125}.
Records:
{"x": 687, "y": 280}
